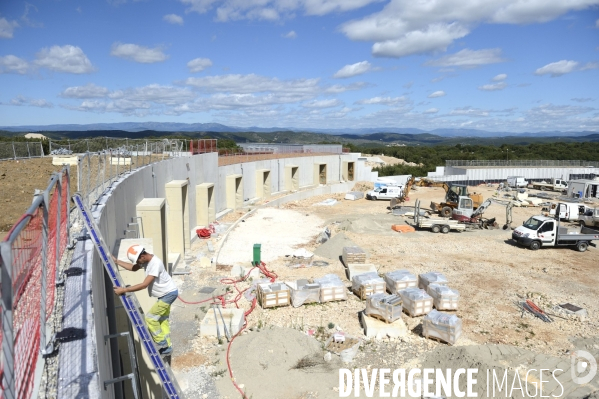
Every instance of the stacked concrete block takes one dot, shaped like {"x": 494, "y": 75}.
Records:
{"x": 353, "y": 255}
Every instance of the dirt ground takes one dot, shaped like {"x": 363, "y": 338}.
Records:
{"x": 489, "y": 271}
{"x": 18, "y": 181}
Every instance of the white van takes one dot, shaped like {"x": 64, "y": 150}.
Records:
{"x": 516, "y": 181}
{"x": 384, "y": 192}
{"x": 568, "y": 211}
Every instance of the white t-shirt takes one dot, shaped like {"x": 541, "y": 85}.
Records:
{"x": 162, "y": 284}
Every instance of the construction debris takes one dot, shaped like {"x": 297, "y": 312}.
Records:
{"x": 529, "y": 306}
{"x": 354, "y": 195}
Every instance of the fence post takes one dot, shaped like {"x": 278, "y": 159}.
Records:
{"x": 58, "y": 219}
{"x": 28, "y": 153}
{"x": 8, "y": 339}
{"x": 44, "y": 203}
{"x": 13, "y": 150}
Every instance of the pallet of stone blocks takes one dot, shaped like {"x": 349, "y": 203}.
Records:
{"x": 444, "y": 298}
{"x": 442, "y": 326}
{"x": 271, "y": 295}
{"x": 302, "y": 291}
{"x": 353, "y": 255}
{"x": 384, "y": 307}
{"x": 364, "y": 285}
{"x": 416, "y": 302}
{"x": 331, "y": 288}
{"x": 432, "y": 277}
{"x": 398, "y": 280}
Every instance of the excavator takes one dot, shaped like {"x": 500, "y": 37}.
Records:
{"x": 465, "y": 213}
{"x": 453, "y": 193}
{"x": 404, "y": 194}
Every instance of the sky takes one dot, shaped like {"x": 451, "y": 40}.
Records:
{"x": 495, "y": 65}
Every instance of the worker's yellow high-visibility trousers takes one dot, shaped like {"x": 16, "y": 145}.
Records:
{"x": 157, "y": 320}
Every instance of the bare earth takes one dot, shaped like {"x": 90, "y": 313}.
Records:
{"x": 490, "y": 273}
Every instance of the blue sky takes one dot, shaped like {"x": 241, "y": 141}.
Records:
{"x": 503, "y": 65}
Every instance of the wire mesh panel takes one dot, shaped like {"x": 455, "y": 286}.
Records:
{"x": 26, "y": 264}
{"x": 21, "y": 149}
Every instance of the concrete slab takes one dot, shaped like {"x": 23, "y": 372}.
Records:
{"x": 354, "y": 269}
{"x": 374, "y": 328}
{"x": 233, "y": 320}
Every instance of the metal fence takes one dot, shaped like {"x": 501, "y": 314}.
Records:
{"x": 20, "y": 150}
{"x": 101, "y": 144}
{"x": 522, "y": 163}
{"x": 29, "y": 258}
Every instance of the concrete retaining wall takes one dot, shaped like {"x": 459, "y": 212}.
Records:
{"x": 118, "y": 206}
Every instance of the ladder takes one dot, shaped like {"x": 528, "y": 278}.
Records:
{"x": 131, "y": 305}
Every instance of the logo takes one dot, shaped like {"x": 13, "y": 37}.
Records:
{"x": 584, "y": 367}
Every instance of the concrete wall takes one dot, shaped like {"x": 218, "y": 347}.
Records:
{"x": 496, "y": 174}
{"x": 117, "y": 208}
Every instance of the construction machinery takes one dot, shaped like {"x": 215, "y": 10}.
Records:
{"x": 453, "y": 192}
{"x": 436, "y": 225}
{"x": 465, "y": 213}
{"x": 404, "y": 196}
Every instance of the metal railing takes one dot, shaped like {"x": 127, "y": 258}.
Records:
{"x": 29, "y": 259}
{"x": 21, "y": 150}
{"x": 522, "y": 163}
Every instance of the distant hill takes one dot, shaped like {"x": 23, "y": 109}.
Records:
{"x": 372, "y": 140}
{"x": 216, "y": 127}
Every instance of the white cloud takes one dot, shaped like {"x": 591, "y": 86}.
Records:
{"x": 25, "y": 17}
{"x": 469, "y": 111}
{"x": 582, "y": 99}
{"x": 431, "y": 111}
{"x": 356, "y": 69}
{"x": 173, "y": 19}
{"x": 493, "y": 87}
{"x": 13, "y": 64}
{"x": 435, "y": 37}
{"x": 467, "y": 58}
{"x": 383, "y": 100}
{"x": 254, "y": 84}
{"x": 500, "y": 77}
{"x": 227, "y": 10}
{"x": 67, "y": 59}
{"x": 323, "y": 103}
{"x": 134, "y": 52}
{"x": 40, "y": 103}
{"x": 7, "y": 27}
{"x": 198, "y": 64}
{"x": 290, "y": 35}
{"x": 558, "y": 68}
{"x": 405, "y": 27}
{"x": 436, "y": 94}
{"x": 590, "y": 65}
{"x": 90, "y": 90}
{"x": 154, "y": 93}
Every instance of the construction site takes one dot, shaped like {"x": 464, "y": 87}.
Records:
{"x": 289, "y": 269}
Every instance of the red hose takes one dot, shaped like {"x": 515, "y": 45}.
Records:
{"x": 271, "y": 275}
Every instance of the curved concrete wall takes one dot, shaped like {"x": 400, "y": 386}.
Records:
{"x": 118, "y": 206}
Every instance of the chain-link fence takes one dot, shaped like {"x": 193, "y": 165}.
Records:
{"x": 521, "y": 163}
{"x": 20, "y": 150}
{"x": 29, "y": 259}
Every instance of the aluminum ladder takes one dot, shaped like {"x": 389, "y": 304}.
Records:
{"x": 131, "y": 305}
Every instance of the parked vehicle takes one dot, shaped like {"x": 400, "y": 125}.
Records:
{"x": 568, "y": 211}
{"x": 590, "y": 218}
{"x": 544, "y": 231}
{"x": 384, "y": 193}
{"x": 436, "y": 225}
{"x": 555, "y": 185}
{"x": 516, "y": 181}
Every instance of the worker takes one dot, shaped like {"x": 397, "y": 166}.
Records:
{"x": 160, "y": 285}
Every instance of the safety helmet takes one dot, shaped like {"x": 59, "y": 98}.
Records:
{"x": 133, "y": 253}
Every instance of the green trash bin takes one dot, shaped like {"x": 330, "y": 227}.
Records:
{"x": 257, "y": 259}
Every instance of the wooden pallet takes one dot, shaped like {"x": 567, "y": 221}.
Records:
{"x": 381, "y": 318}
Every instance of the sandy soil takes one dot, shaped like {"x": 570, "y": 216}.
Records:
{"x": 490, "y": 273}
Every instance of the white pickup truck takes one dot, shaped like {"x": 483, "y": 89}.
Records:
{"x": 543, "y": 231}
{"x": 384, "y": 193}
{"x": 555, "y": 185}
